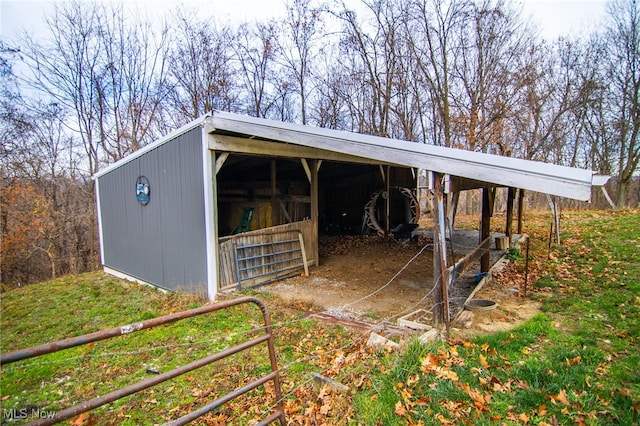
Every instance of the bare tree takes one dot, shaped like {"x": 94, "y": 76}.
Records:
{"x": 15, "y": 121}
{"x": 255, "y": 51}
{"x": 622, "y": 73}
{"x": 107, "y": 71}
{"x": 298, "y": 47}
{"x": 486, "y": 77}
{"x": 374, "y": 49}
{"x": 434, "y": 46}
{"x": 202, "y": 72}
{"x": 68, "y": 68}
{"x": 330, "y": 108}
{"x": 132, "y": 82}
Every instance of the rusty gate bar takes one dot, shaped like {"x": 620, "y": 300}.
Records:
{"x": 35, "y": 351}
{"x": 221, "y": 401}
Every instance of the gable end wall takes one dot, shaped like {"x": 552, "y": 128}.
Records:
{"x": 164, "y": 242}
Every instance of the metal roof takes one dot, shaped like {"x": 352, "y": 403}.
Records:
{"x": 537, "y": 176}
{"x": 345, "y": 146}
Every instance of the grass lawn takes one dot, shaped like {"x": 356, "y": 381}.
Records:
{"x": 574, "y": 363}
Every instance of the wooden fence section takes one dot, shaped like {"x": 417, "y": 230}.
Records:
{"x": 463, "y": 264}
{"x": 264, "y": 255}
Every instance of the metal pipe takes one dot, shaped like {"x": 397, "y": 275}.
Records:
{"x": 144, "y": 384}
{"x": 221, "y": 401}
{"x": 9, "y": 357}
{"x": 152, "y": 381}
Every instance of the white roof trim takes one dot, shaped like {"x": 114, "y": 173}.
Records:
{"x": 537, "y": 176}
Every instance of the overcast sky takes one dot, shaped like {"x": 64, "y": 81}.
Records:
{"x": 554, "y": 17}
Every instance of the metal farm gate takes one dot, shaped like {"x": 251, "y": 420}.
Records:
{"x": 264, "y": 256}
{"x": 267, "y": 337}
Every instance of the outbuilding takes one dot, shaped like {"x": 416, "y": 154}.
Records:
{"x": 231, "y": 201}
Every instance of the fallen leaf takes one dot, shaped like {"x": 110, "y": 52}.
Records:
{"x": 423, "y": 401}
{"x": 574, "y": 361}
{"x": 83, "y": 419}
{"x": 400, "y": 410}
{"x": 483, "y": 361}
{"x": 429, "y": 360}
{"x": 443, "y": 420}
{"x": 580, "y": 421}
{"x": 625, "y": 392}
{"x": 478, "y": 399}
{"x": 542, "y": 410}
{"x": 447, "y": 374}
{"x": 413, "y": 379}
{"x": 561, "y": 397}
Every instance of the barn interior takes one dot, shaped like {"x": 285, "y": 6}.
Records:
{"x": 257, "y": 192}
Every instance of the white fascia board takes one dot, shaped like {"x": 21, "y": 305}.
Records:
{"x": 600, "y": 180}
{"x": 99, "y": 211}
{"x": 531, "y": 175}
{"x": 210, "y": 219}
{"x": 195, "y": 123}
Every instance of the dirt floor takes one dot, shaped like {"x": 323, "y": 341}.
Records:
{"x": 378, "y": 280}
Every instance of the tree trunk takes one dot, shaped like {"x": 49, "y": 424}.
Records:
{"x": 621, "y": 194}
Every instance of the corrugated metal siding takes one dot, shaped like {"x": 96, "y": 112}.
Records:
{"x": 164, "y": 242}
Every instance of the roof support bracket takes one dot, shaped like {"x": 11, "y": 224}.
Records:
{"x": 307, "y": 170}
{"x": 220, "y": 161}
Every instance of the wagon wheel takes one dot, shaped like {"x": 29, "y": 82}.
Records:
{"x": 369, "y": 219}
{"x": 414, "y": 205}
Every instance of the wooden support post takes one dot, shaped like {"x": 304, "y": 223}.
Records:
{"x": 440, "y": 272}
{"x": 555, "y": 212}
{"x": 511, "y": 194}
{"x": 387, "y": 202}
{"x": 275, "y": 216}
{"x": 314, "y": 245}
{"x": 520, "y": 209}
{"x": 485, "y": 231}
{"x": 451, "y": 213}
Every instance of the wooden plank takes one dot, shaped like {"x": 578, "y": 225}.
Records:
{"x": 463, "y": 264}
{"x": 441, "y": 292}
{"x": 225, "y": 143}
{"x": 511, "y": 194}
{"x": 220, "y": 160}
{"x": 304, "y": 255}
{"x": 275, "y": 213}
{"x": 305, "y": 166}
{"x": 387, "y": 202}
{"x": 485, "y": 231}
{"x": 315, "y": 248}
{"x": 520, "y": 209}
{"x": 269, "y": 257}
{"x": 458, "y": 184}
